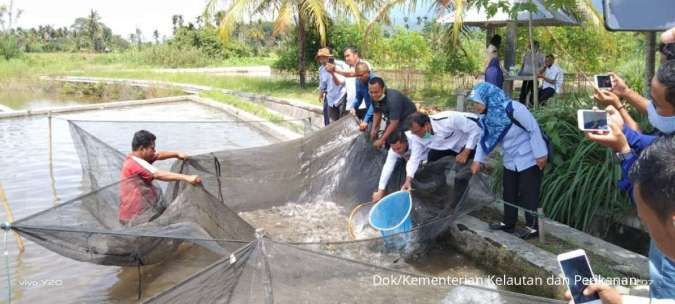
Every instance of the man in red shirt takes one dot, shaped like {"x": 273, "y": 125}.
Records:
{"x": 137, "y": 194}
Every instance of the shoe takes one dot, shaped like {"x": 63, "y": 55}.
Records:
{"x": 501, "y": 226}
{"x": 529, "y": 233}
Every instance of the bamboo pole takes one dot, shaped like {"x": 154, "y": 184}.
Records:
{"x": 10, "y": 217}
{"x": 51, "y": 161}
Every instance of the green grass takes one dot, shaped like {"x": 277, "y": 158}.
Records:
{"x": 258, "y": 85}
{"x": 255, "y": 109}
{"x": 601, "y": 266}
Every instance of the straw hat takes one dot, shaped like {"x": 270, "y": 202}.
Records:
{"x": 323, "y": 52}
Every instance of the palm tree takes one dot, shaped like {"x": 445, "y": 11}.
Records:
{"x": 94, "y": 28}
{"x": 305, "y": 13}
{"x": 139, "y": 38}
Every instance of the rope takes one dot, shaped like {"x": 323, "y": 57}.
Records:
{"x": 520, "y": 208}
{"x": 173, "y": 121}
{"x": 9, "y": 276}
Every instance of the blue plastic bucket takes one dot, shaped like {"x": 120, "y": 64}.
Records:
{"x": 391, "y": 215}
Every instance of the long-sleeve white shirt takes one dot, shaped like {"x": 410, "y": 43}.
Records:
{"x": 520, "y": 147}
{"x": 451, "y": 131}
{"x": 390, "y": 165}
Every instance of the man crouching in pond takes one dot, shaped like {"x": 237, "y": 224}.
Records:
{"x": 137, "y": 194}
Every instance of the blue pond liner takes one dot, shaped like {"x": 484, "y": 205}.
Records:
{"x": 391, "y": 215}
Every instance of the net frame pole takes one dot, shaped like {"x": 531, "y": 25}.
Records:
{"x": 10, "y": 217}
{"x": 51, "y": 160}
{"x": 540, "y": 224}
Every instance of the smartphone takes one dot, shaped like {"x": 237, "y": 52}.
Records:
{"x": 603, "y": 81}
{"x": 578, "y": 275}
{"x": 331, "y": 60}
{"x": 592, "y": 121}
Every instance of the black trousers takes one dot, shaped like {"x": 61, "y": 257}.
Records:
{"x": 435, "y": 155}
{"x": 525, "y": 90}
{"x": 336, "y": 112}
{"x": 361, "y": 113}
{"x": 522, "y": 189}
{"x": 545, "y": 94}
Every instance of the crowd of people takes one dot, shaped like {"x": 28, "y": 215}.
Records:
{"x": 392, "y": 121}
{"x": 647, "y": 161}
{"x": 533, "y": 62}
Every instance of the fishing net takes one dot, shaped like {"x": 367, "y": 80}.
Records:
{"x": 266, "y": 271}
{"x": 315, "y": 180}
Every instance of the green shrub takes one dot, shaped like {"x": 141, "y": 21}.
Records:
{"x": 9, "y": 47}
{"x": 168, "y": 56}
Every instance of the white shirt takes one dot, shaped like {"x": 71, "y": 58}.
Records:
{"x": 390, "y": 165}
{"x": 351, "y": 86}
{"x": 327, "y": 84}
{"x": 452, "y": 131}
{"x": 520, "y": 147}
{"x": 556, "y": 73}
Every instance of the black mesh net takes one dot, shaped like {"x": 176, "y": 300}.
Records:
{"x": 310, "y": 195}
{"x": 269, "y": 272}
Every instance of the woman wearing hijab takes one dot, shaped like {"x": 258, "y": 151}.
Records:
{"x": 493, "y": 69}
{"x": 510, "y": 124}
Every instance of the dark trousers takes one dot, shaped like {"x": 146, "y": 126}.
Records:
{"x": 545, "y": 94}
{"x": 361, "y": 113}
{"x": 525, "y": 90}
{"x": 326, "y": 118}
{"x": 337, "y": 111}
{"x": 522, "y": 189}
{"x": 435, "y": 155}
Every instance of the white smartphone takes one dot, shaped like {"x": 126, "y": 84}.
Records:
{"x": 592, "y": 120}
{"x": 603, "y": 81}
{"x": 578, "y": 275}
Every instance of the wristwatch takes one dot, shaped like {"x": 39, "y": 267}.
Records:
{"x": 623, "y": 156}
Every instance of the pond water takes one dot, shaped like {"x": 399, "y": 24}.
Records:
{"x": 31, "y": 96}
{"x": 39, "y": 275}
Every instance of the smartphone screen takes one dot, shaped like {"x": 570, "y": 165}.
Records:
{"x": 595, "y": 120}
{"x": 579, "y": 275}
{"x": 604, "y": 81}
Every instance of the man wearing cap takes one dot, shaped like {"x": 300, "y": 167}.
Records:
{"x": 333, "y": 94}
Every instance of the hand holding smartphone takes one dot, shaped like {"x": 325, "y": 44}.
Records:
{"x": 578, "y": 274}
{"x": 603, "y": 82}
{"x": 593, "y": 121}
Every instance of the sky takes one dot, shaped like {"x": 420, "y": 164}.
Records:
{"x": 124, "y": 16}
